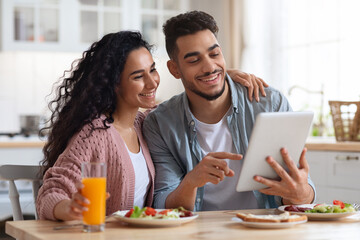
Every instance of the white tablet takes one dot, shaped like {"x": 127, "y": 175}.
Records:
{"x": 273, "y": 131}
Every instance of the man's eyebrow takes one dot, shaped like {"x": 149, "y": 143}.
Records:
{"x": 213, "y": 47}
{"x": 142, "y": 70}
{"x": 190, "y": 54}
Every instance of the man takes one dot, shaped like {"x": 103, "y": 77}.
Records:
{"x": 197, "y": 138}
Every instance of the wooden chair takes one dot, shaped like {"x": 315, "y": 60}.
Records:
{"x": 11, "y": 173}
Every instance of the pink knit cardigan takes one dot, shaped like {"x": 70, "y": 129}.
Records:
{"x": 105, "y": 146}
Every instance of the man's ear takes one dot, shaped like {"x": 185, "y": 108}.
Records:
{"x": 173, "y": 69}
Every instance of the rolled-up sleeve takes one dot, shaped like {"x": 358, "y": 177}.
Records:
{"x": 310, "y": 182}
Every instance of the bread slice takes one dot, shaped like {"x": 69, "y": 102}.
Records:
{"x": 295, "y": 218}
{"x": 241, "y": 215}
{"x": 284, "y": 217}
{"x": 261, "y": 218}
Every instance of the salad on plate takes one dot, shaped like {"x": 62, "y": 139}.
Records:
{"x": 151, "y": 217}
{"x": 337, "y": 207}
{"x": 322, "y": 211}
{"x": 151, "y": 213}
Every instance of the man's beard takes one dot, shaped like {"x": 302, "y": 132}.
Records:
{"x": 204, "y": 95}
{"x": 207, "y": 96}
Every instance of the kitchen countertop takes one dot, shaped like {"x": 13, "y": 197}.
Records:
{"x": 21, "y": 142}
{"x": 312, "y": 143}
{"x": 330, "y": 144}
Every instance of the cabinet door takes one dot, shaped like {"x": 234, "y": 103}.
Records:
{"x": 336, "y": 175}
{"x": 97, "y": 18}
{"x": 318, "y": 172}
{"x": 28, "y": 25}
{"x": 72, "y": 25}
{"x": 344, "y": 170}
{"x": 318, "y": 166}
{"x": 346, "y": 195}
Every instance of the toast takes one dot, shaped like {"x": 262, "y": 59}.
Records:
{"x": 242, "y": 216}
{"x": 284, "y": 217}
{"x": 295, "y": 218}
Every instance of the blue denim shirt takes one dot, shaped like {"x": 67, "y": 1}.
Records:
{"x": 171, "y": 136}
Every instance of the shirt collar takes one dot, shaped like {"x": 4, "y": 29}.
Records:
{"x": 234, "y": 94}
{"x": 188, "y": 114}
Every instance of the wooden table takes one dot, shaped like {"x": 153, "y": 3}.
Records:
{"x": 209, "y": 225}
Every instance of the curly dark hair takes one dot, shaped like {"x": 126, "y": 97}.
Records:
{"x": 88, "y": 91}
{"x": 185, "y": 24}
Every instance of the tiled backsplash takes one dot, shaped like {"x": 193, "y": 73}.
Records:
{"x": 26, "y": 78}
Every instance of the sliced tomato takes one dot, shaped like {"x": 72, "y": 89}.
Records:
{"x": 150, "y": 211}
{"x": 128, "y": 214}
{"x": 340, "y": 203}
{"x": 164, "y": 212}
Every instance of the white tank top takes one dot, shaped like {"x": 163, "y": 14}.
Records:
{"x": 142, "y": 177}
{"x": 223, "y": 196}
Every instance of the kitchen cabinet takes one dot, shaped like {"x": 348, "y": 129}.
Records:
{"x": 71, "y": 25}
{"x": 336, "y": 175}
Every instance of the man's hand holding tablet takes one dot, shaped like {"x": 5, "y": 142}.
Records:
{"x": 278, "y": 138}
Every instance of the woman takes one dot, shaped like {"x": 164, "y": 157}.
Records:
{"x": 96, "y": 118}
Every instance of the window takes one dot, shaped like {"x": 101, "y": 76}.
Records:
{"x": 308, "y": 49}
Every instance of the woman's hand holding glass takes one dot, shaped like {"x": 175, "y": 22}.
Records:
{"x": 78, "y": 203}
{"x": 72, "y": 209}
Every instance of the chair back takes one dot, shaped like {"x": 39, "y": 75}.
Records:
{"x": 20, "y": 172}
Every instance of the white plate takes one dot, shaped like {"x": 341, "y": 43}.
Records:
{"x": 267, "y": 224}
{"x": 120, "y": 215}
{"x": 319, "y": 216}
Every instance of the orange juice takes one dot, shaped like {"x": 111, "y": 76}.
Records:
{"x": 95, "y": 191}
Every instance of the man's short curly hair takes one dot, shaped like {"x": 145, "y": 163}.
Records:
{"x": 185, "y": 24}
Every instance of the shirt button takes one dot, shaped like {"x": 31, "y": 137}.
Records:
{"x": 198, "y": 200}
{"x": 192, "y": 123}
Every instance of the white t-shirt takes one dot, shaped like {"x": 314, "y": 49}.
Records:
{"x": 142, "y": 177}
{"x": 223, "y": 196}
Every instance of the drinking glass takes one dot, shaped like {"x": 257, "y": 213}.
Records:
{"x": 94, "y": 181}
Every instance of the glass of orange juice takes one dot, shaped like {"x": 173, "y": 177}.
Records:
{"x": 94, "y": 181}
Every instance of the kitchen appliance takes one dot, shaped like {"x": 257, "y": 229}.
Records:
{"x": 29, "y": 124}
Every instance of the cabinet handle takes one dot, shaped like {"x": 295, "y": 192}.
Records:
{"x": 347, "y": 158}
